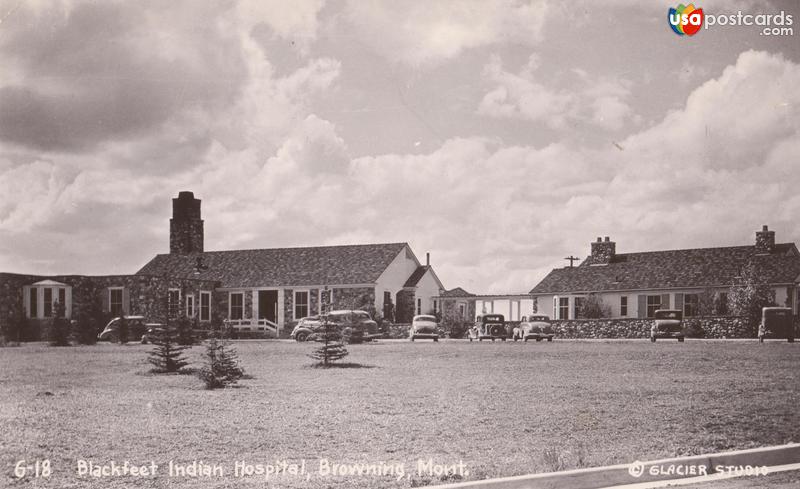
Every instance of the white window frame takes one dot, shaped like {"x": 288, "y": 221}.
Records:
{"x": 230, "y": 304}
{"x": 562, "y": 307}
{"x": 295, "y": 303}
{"x": 190, "y": 311}
{"x": 204, "y": 293}
{"x": 177, "y": 305}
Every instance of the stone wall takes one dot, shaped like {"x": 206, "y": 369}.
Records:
{"x": 707, "y": 327}
{"x": 404, "y": 310}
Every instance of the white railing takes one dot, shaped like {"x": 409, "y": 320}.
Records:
{"x": 264, "y": 325}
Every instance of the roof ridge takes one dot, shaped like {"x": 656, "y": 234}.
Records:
{"x": 697, "y": 249}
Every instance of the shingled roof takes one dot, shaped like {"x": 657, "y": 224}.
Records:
{"x": 280, "y": 267}
{"x": 693, "y": 268}
{"x": 456, "y": 292}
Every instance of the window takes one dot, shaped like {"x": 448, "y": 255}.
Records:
{"x": 721, "y": 304}
{"x": 173, "y": 302}
{"x": 435, "y": 306}
{"x": 653, "y": 304}
{"x": 236, "y": 305}
{"x": 115, "y": 301}
{"x": 33, "y": 308}
{"x": 563, "y": 308}
{"x": 419, "y": 306}
{"x": 300, "y": 304}
{"x": 579, "y": 307}
{"x": 462, "y": 310}
{"x": 190, "y": 305}
{"x": 623, "y": 305}
{"x": 62, "y": 296}
{"x": 48, "y": 302}
{"x": 690, "y": 302}
{"x": 205, "y": 306}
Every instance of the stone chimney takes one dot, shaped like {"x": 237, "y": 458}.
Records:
{"x": 603, "y": 251}
{"x": 765, "y": 241}
{"x": 186, "y": 226}
{"x": 427, "y": 259}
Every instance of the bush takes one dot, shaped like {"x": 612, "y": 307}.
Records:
{"x": 167, "y": 355}
{"x": 222, "y": 365}
{"x": 694, "y": 330}
{"x": 593, "y": 307}
{"x": 59, "y": 327}
{"x": 184, "y": 331}
{"x": 89, "y": 321}
{"x": 14, "y": 324}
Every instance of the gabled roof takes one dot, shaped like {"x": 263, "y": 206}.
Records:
{"x": 457, "y": 292}
{"x": 420, "y": 272}
{"x": 693, "y": 268}
{"x": 278, "y": 267}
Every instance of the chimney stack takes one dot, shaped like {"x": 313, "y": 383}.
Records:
{"x": 765, "y": 241}
{"x": 186, "y": 225}
{"x": 603, "y": 251}
{"x": 427, "y": 259}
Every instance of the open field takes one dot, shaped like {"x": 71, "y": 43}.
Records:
{"x": 501, "y": 408}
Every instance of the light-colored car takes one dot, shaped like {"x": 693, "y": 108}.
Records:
{"x": 534, "y": 327}
{"x": 424, "y": 326}
{"x": 305, "y": 327}
{"x": 667, "y": 323}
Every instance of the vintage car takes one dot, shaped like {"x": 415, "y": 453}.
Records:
{"x": 776, "y": 323}
{"x": 535, "y": 327}
{"x": 667, "y": 323}
{"x": 488, "y": 327}
{"x": 137, "y": 329}
{"x": 424, "y": 326}
{"x": 353, "y": 326}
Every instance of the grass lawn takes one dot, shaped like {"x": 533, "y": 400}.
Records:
{"x": 501, "y": 408}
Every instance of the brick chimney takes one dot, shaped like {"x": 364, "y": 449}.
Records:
{"x": 603, "y": 251}
{"x": 186, "y": 226}
{"x": 765, "y": 241}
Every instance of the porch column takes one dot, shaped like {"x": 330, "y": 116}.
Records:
{"x": 281, "y": 318}
{"x": 254, "y": 319}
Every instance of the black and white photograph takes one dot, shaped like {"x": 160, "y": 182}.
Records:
{"x": 502, "y": 244}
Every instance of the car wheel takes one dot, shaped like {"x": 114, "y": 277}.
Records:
{"x": 470, "y": 340}
{"x": 504, "y": 339}
{"x": 549, "y": 339}
{"x": 302, "y": 336}
{"x": 538, "y": 340}
{"x": 652, "y": 339}
{"x": 144, "y": 340}
{"x": 436, "y": 340}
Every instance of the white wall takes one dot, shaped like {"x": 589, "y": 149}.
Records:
{"x": 395, "y": 276}
{"x": 427, "y": 288}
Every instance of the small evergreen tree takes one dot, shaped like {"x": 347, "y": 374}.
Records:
{"x": 88, "y": 317}
{"x": 221, "y": 365}
{"x": 184, "y": 332}
{"x": 167, "y": 355}
{"x": 14, "y": 323}
{"x": 332, "y": 348}
{"x": 59, "y": 327}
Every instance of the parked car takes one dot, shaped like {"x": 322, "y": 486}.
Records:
{"x": 488, "y": 327}
{"x": 137, "y": 327}
{"x": 152, "y": 332}
{"x": 776, "y": 323}
{"x": 667, "y": 323}
{"x": 424, "y": 326}
{"x": 354, "y": 326}
{"x": 536, "y": 327}
{"x": 305, "y": 327}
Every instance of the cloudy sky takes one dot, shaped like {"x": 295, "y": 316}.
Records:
{"x": 500, "y": 136}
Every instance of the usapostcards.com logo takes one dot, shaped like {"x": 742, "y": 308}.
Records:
{"x": 687, "y": 21}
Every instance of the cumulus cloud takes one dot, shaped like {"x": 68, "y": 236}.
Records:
{"x": 420, "y": 33}
{"x": 600, "y": 101}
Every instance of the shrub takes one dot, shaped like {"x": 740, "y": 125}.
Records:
{"x": 167, "y": 355}
{"x": 694, "y": 329}
{"x": 59, "y": 327}
{"x": 89, "y": 321}
{"x": 184, "y": 331}
{"x": 14, "y": 324}
{"x": 593, "y": 307}
{"x": 222, "y": 365}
